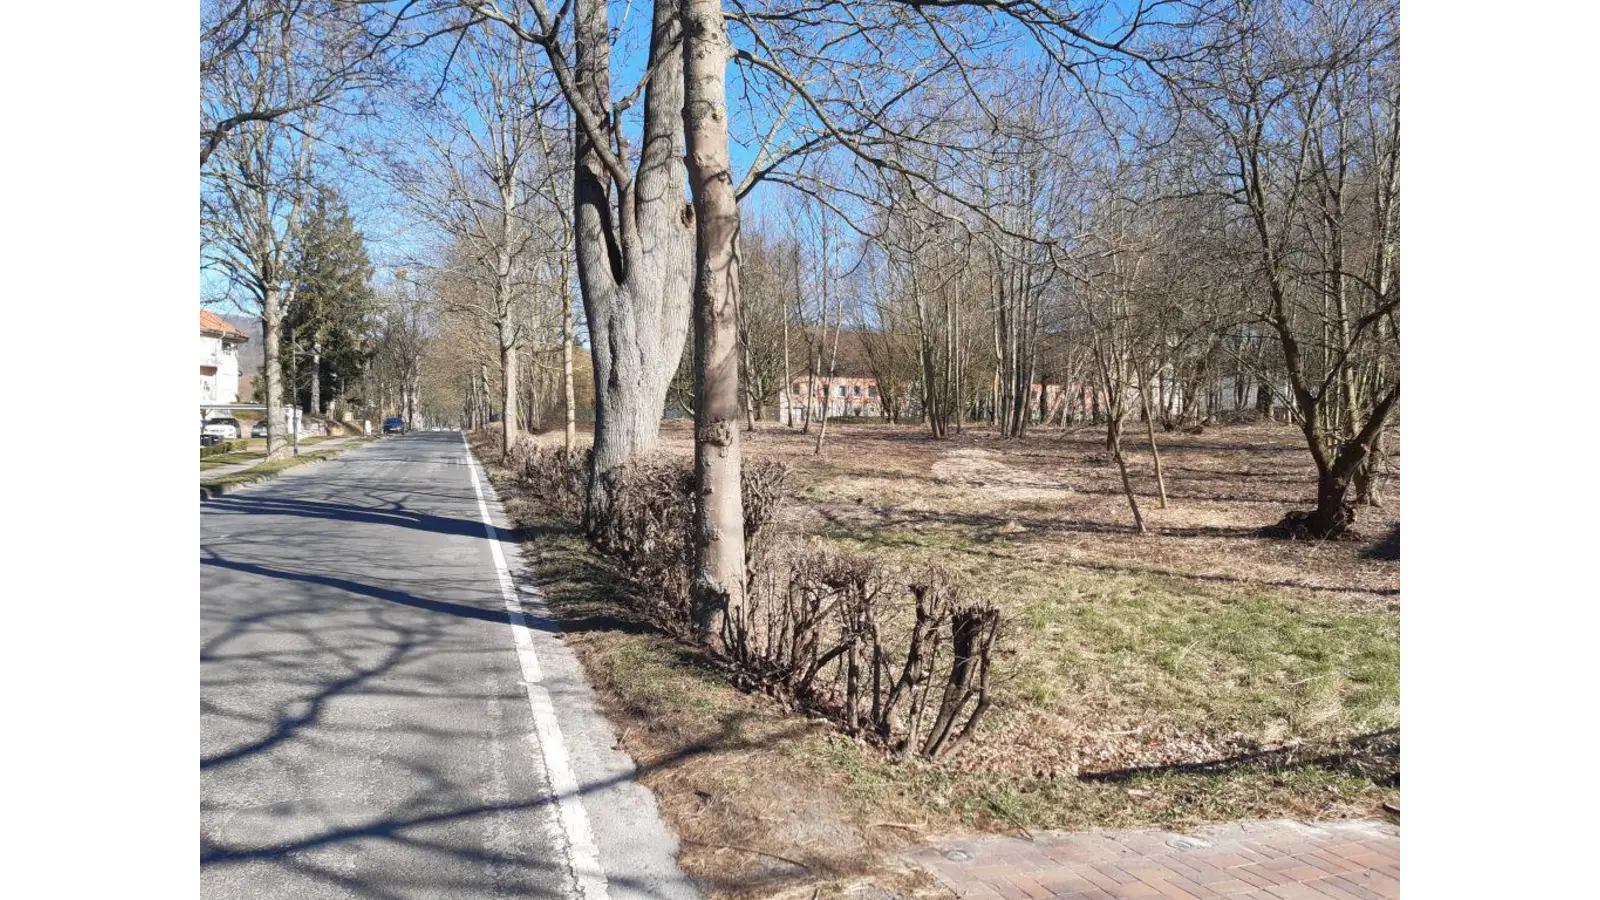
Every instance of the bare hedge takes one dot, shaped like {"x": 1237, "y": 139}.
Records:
{"x": 901, "y": 657}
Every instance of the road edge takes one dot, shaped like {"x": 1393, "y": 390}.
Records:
{"x": 616, "y": 818}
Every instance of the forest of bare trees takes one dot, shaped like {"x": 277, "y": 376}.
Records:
{"x": 1015, "y": 217}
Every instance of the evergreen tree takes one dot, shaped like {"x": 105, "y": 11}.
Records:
{"x": 325, "y": 327}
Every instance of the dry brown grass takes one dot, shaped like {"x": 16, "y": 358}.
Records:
{"x": 1058, "y": 498}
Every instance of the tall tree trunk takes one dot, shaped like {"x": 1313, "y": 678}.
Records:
{"x": 508, "y": 390}
{"x": 569, "y": 400}
{"x": 634, "y": 265}
{"x": 1150, "y": 434}
{"x": 1334, "y": 513}
{"x": 272, "y": 370}
{"x": 316, "y": 376}
{"x": 718, "y": 583}
{"x": 751, "y": 404}
{"x": 1114, "y": 438}
{"x": 833, "y": 364}
{"x": 788, "y": 377}
{"x": 811, "y": 388}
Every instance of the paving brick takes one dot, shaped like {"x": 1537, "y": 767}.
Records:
{"x": 1350, "y": 887}
{"x": 1008, "y": 889}
{"x": 1332, "y": 862}
{"x": 1065, "y": 881}
{"x": 1205, "y": 872}
{"x": 1096, "y": 877}
{"x": 1194, "y": 888}
{"x": 1326, "y": 887}
{"x": 1256, "y": 875}
{"x": 1366, "y": 859}
{"x": 1345, "y": 848}
{"x": 1172, "y": 884}
{"x": 1231, "y": 887}
{"x": 1295, "y": 892}
{"x": 1183, "y": 865}
{"x": 1239, "y": 861}
{"x": 1085, "y": 851}
{"x": 1030, "y": 887}
{"x": 1375, "y": 881}
{"x": 1136, "y": 890}
{"x": 1171, "y": 891}
{"x": 1116, "y": 873}
{"x": 1263, "y": 849}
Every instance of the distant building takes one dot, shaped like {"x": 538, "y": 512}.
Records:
{"x": 219, "y": 359}
{"x": 842, "y": 395}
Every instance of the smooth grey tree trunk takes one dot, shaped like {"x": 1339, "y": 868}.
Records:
{"x": 569, "y": 401}
{"x": 509, "y": 430}
{"x": 718, "y": 582}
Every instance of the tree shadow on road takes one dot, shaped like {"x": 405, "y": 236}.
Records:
{"x": 397, "y": 514}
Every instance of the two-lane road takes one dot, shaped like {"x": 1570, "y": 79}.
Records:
{"x": 373, "y": 724}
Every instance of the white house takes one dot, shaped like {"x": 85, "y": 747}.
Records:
{"x": 219, "y": 359}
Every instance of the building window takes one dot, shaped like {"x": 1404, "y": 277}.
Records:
{"x": 856, "y": 390}
{"x": 841, "y": 390}
{"x": 872, "y": 391}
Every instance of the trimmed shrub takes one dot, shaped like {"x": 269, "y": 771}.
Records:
{"x": 898, "y": 656}
{"x": 894, "y": 655}
{"x": 555, "y": 475}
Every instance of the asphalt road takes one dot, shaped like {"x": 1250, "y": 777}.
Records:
{"x": 370, "y": 725}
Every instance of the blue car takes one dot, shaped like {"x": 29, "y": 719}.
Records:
{"x": 394, "y": 425}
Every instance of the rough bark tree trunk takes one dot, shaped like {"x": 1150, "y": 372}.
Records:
{"x": 634, "y": 249}
{"x": 315, "y": 407}
{"x": 272, "y": 371}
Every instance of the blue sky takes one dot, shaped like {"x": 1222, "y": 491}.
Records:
{"x": 393, "y": 238}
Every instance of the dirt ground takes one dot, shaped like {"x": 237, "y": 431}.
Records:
{"x": 1200, "y": 673}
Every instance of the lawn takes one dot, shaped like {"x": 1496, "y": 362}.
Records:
{"x": 1198, "y": 673}
{"x": 255, "y": 451}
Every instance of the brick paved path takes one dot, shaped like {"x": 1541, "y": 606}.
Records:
{"x": 1278, "y": 860}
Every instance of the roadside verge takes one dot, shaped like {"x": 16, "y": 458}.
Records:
{"x": 218, "y": 485}
{"x": 759, "y": 797}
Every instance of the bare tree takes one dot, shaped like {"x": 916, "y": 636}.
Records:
{"x": 311, "y": 55}
{"x": 634, "y": 233}
{"x": 1277, "y": 88}
{"x": 256, "y": 187}
{"x": 719, "y": 576}
{"x": 475, "y": 177}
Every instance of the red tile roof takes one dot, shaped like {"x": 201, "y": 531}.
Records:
{"x": 211, "y": 323}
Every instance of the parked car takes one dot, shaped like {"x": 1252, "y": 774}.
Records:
{"x": 394, "y": 425}
{"x": 259, "y": 429}
{"x": 225, "y": 428}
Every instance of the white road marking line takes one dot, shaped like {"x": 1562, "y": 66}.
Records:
{"x": 582, "y": 854}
